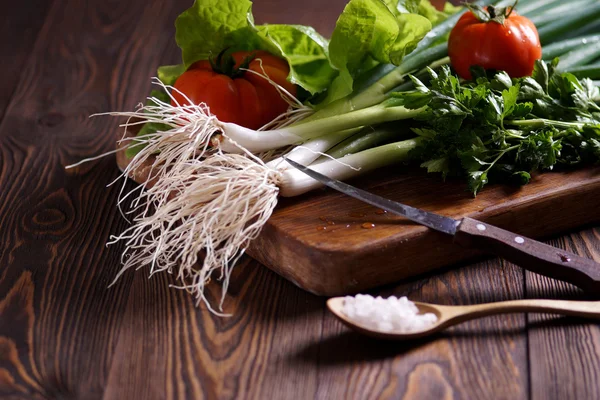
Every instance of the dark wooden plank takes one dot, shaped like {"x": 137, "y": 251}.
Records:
{"x": 281, "y": 341}
{"x": 20, "y": 26}
{"x": 480, "y": 359}
{"x": 58, "y": 320}
{"x": 189, "y": 353}
{"x": 564, "y": 353}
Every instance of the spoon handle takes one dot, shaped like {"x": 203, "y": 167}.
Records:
{"x": 587, "y": 309}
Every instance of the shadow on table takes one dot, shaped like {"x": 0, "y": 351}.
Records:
{"x": 349, "y": 346}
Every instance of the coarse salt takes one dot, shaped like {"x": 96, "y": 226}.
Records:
{"x": 387, "y": 315}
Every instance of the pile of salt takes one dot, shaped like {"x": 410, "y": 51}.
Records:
{"x": 388, "y": 315}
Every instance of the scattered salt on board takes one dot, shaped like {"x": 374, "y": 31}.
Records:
{"x": 387, "y": 315}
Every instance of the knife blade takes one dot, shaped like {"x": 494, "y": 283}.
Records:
{"x": 431, "y": 220}
{"x": 470, "y": 233}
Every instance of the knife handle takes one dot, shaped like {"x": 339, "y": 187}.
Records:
{"x": 529, "y": 254}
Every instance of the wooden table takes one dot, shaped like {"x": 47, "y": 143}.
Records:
{"x": 64, "y": 334}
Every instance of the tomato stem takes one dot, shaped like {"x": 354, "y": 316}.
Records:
{"x": 491, "y": 13}
{"x": 512, "y": 8}
{"x": 224, "y": 64}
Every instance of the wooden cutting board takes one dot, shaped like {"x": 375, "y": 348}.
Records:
{"x": 331, "y": 244}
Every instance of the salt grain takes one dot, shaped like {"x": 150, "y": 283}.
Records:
{"x": 387, "y": 315}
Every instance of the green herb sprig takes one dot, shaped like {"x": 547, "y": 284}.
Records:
{"x": 498, "y": 129}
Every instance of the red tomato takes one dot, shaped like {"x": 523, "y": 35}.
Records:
{"x": 236, "y": 96}
{"x": 512, "y": 46}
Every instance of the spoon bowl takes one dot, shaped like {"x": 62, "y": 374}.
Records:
{"x": 452, "y": 315}
{"x": 336, "y": 305}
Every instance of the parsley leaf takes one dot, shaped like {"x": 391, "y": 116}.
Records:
{"x": 500, "y": 129}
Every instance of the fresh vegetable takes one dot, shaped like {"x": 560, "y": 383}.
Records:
{"x": 369, "y": 32}
{"x": 494, "y": 38}
{"x": 213, "y": 184}
{"x": 580, "y": 56}
{"x": 557, "y": 49}
{"x": 559, "y": 11}
{"x": 368, "y": 138}
{"x": 210, "y": 26}
{"x": 591, "y": 71}
{"x": 247, "y": 88}
{"x": 502, "y": 129}
{"x": 574, "y": 25}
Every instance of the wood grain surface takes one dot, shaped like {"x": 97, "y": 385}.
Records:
{"x": 64, "y": 334}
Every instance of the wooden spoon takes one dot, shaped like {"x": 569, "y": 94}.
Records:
{"x": 453, "y": 315}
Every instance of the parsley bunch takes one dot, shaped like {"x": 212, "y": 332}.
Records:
{"x": 498, "y": 129}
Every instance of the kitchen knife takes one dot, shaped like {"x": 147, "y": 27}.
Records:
{"x": 471, "y": 233}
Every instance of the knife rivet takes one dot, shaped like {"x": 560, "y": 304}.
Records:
{"x": 519, "y": 240}
{"x": 481, "y": 227}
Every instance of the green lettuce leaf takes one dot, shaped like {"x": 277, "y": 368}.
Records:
{"x": 305, "y": 51}
{"x": 148, "y": 127}
{"x": 428, "y": 10}
{"x": 168, "y": 74}
{"x": 369, "y": 32}
{"x": 210, "y": 26}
